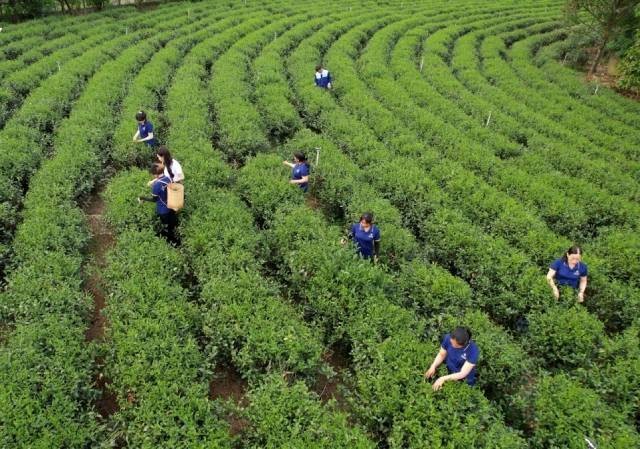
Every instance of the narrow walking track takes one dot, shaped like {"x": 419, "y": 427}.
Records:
{"x": 330, "y": 387}
{"x": 228, "y": 385}
{"x": 102, "y": 239}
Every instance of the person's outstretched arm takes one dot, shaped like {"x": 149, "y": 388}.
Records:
{"x": 149, "y": 137}
{"x": 349, "y": 236}
{"x": 464, "y": 372}
{"x": 442, "y": 355}
{"x": 154, "y": 194}
{"x": 150, "y": 199}
{"x": 583, "y": 287}
{"x": 551, "y": 274}
{"x": 300, "y": 181}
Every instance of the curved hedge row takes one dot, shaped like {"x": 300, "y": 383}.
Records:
{"x": 609, "y": 129}
{"x": 174, "y": 374}
{"x": 149, "y": 91}
{"x": 594, "y": 199}
{"x": 251, "y": 327}
{"x": 383, "y": 175}
{"x": 269, "y": 195}
{"x": 542, "y": 196}
{"x": 289, "y": 416}
{"x": 335, "y": 127}
{"x": 74, "y": 41}
{"x": 608, "y": 163}
{"x": 29, "y": 133}
{"x": 50, "y": 27}
{"x": 563, "y": 413}
{"x": 44, "y": 295}
{"x": 472, "y": 209}
{"x": 264, "y": 199}
{"x": 330, "y": 130}
{"x": 349, "y": 298}
{"x": 153, "y": 359}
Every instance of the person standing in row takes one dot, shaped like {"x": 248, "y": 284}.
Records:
{"x": 323, "y": 77}
{"x": 172, "y": 168}
{"x": 460, "y": 355}
{"x": 569, "y": 270}
{"x": 168, "y": 217}
{"x": 366, "y": 236}
{"x": 145, "y": 130}
{"x": 299, "y": 171}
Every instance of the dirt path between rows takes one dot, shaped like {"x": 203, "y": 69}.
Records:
{"x": 228, "y": 385}
{"x": 329, "y": 388}
{"x": 102, "y": 239}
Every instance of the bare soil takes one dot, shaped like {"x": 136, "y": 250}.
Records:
{"x": 5, "y": 330}
{"x": 607, "y": 75}
{"x": 107, "y": 403}
{"x": 228, "y": 385}
{"x": 330, "y": 388}
{"x": 101, "y": 241}
{"x": 312, "y": 202}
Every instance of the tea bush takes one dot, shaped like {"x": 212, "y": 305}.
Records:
{"x": 46, "y": 392}
{"x": 565, "y": 338}
{"x": 457, "y": 415}
{"x": 290, "y": 416}
{"x": 563, "y": 413}
{"x": 616, "y": 373}
{"x": 121, "y": 198}
{"x": 152, "y": 356}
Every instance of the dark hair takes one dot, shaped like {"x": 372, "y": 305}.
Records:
{"x": 156, "y": 168}
{"x": 575, "y": 249}
{"x": 367, "y": 217}
{"x": 318, "y": 67}
{"x": 141, "y": 116}
{"x": 299, "y": 155}
{"x": 462, "y": 335}
{"x": 166, "y": 157}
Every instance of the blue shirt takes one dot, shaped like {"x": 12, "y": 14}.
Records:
{"x": 323, "y": 78}
{"x": 298, "y": 172}
{"x": 456, "y": 357}
{"x": 364, "y": 240}
{"x": 566, "y": 275}
{"x": 159, "y": 189}
{"x": 144, "y": 131}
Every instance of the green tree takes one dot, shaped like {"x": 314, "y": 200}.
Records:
{"x": 630, "y": 68}
{"x": 15, "y": 10}
{"x": 608, "y": 18}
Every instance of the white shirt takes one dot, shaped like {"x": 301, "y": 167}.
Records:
{"x": 176, "y": 169}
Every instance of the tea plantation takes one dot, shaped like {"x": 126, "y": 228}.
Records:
{"x": 481, "y": 155}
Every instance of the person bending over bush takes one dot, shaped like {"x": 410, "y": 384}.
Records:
{"x": 322, "y": 77}
{"x": 299, "y": 171}
{"x": 366, "y": 236}
{"x": 168, "y": 217}
{"x": 460, "y": 355}
{"x": 145, "y": 130}
{"x": 569, "y": 270}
